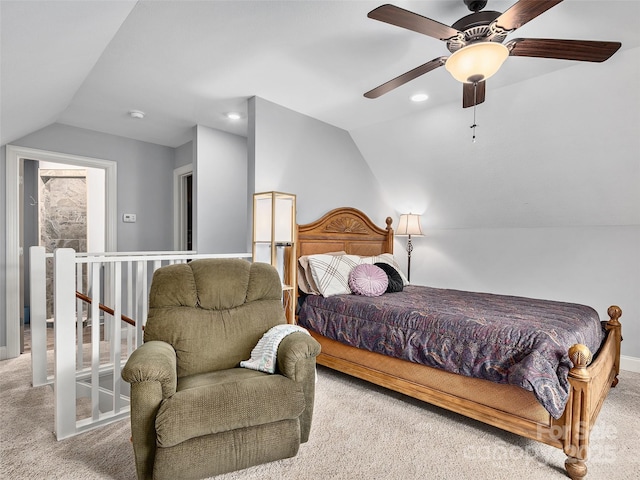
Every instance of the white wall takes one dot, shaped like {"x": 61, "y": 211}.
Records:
{"x": 545, "y": 204}
{"x": 220, "y": 191}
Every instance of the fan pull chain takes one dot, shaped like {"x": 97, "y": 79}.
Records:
{"x": 475, "y": 99}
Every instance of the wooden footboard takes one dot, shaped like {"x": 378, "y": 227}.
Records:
{"x": 590, "y": 384}
{"x": 504, "y": 406}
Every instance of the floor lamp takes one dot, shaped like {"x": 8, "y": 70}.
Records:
{"x": 409, "y": 225}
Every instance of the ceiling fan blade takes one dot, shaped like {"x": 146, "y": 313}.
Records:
{"x": 522, "y": 12}
{"x": 581, "y": 50}
{"x": 472, "y": 95}
{"x": 412, "y": 21}
{"x": 406, "y": 77}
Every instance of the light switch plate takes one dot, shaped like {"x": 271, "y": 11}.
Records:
{"x": 129, "y": 218}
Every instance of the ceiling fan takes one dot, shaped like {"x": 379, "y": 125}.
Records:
{"x": 475, "y": 43}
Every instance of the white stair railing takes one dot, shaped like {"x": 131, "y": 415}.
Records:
{"x": 88, "y": 390}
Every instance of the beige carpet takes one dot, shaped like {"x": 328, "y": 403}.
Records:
{"x": 359, "y": 432}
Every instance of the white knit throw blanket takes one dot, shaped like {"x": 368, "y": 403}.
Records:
{"x": 263, "y": 355}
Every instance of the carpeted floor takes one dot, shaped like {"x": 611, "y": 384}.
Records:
{"x": 359, "y": 432}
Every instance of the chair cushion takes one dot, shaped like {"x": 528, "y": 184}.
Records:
{"x": 226, "y": 400}
{"x": 213, "y": 284}
{"x": 213, "y": 311}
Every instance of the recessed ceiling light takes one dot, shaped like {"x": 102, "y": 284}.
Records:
{"x": 136, "y": 114}
{"x": 234, "y": 116}
{"x": 419, "y": 97}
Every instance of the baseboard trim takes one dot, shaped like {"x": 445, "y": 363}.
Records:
{"x": 631, "y": 364}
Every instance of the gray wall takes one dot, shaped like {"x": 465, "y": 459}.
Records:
{"x": 591, "y": 265}
{"x": 3, "y": 249}
{"x": 220, "y": 191}
{"x": 145, "y": 180}
{"x": 318, "y": 162}
{"x": 30, "y": 219}
{"x": 183, "y": 155}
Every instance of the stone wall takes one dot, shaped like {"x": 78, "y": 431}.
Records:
{"x": 63, "y": 216}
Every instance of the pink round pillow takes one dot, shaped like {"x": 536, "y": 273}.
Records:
{"x": 368, "y": 280}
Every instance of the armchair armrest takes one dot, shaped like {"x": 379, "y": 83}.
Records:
{"x": 292, "y": 352}
{"x": 151, "y": 371}
{"x": 297, "y": 360}
{"x": 153, "y": 361}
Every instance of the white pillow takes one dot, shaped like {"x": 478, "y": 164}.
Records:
{"x": 386, "y": 258}
{"x": 305, "y": 278}
{"x": 331, "y": 272}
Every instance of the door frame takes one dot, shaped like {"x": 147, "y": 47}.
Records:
{"x": 14, "y": 156}
{"x": 179, "y": 206}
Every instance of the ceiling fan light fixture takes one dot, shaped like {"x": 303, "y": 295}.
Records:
{"x": 476, "y": 62}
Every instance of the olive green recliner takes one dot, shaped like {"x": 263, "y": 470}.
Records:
{"x": 194, "y": 412}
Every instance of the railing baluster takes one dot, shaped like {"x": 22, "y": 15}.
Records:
{"x": 95, "y": 341}
{"x": 64, "y": 342}
{"x": 130, "y": 312}
{"x": 79, "y": 319}
{"x": 145, "y": 302}
{"x": 38, "y": 312}
{"x": 116, "y": 341}
{"x": 108, "y": 320}
{"x": 140, "y": 295}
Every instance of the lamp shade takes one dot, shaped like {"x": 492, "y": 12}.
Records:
{"x": 409, "y": 224}
{"x": 476, "y": 62}
{"x": 274, "y": 217}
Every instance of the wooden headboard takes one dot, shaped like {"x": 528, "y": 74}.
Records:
{"x": 344, "y": 229}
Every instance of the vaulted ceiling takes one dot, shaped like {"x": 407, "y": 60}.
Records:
{"x": 87, "y": 64}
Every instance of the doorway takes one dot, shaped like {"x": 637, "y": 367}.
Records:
{"x": 15, "y": 213}
{"x": 183, "y": 208}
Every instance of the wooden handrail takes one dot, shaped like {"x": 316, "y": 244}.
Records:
{"x": 104, "y": 308}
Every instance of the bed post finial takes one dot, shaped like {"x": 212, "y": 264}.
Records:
{"x": 576, "y": 441}
{"x": 615, "y": 312}
{"x": 580, "y": 356}
{"x": 389, "y": 221}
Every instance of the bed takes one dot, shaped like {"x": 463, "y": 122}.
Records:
{"x": 506, "y": 406}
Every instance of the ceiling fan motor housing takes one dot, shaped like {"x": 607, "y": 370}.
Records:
{"x": 476, "y": 28}
{"x": 475, "y": 5}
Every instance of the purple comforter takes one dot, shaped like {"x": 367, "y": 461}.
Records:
{"x": 514, "y": 340}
